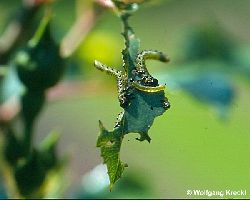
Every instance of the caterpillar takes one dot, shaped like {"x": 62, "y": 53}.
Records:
{"x": 148, "y": 88}
{"x": 121, "y": 81}
{"x": 146, "y": 55}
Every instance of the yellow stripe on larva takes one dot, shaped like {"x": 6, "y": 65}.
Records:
{"x": 147, "y": 88}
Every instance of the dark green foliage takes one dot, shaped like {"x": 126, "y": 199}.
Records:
{"x": 39, "y": 64}
{"x": 30, "y": 173}
{"x": 30, "y": 165}
{"x": 48, "y": 151}
{"x": 32, "y": 103}
{"x": 13, "y": 148}
{"x": 209, "y": 42}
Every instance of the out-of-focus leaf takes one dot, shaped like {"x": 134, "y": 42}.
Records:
{"x": 13, "y": 148}
{"x": 211, "y": 88}
{"x": 20, "y": 28}
{"x": 31, "y": 173}
{"x": 32, "y": 103}
{"x": 243, "y": 60}
{"x": 39, "y": 65}
{"x": 209, "y": 42}
{"x": 48, "y": 150}
{"x": 208, "y": 85}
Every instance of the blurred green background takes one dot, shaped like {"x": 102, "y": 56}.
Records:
{"x": 202, "y": 141}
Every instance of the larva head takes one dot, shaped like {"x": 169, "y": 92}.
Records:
{"x": 163, "y": 57}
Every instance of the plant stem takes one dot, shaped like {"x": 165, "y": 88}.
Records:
{"x": 32, "y": 103}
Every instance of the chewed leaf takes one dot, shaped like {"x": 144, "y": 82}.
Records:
{"x": 110, "y": 144}
{"x": 139, "y": 93}
{"x": 140, "y": 114}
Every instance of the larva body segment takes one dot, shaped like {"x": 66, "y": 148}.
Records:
{"x": 141, "y": 69}
{"x": 149, "y": 55}
{"x": 121, "y": 81}
{"x": 148, "y": 88}
{"x": 108, "y": 70}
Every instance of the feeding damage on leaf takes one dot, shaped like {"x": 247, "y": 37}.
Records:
{"x": 139, "y": 94}
{"x": 110, "y": 144}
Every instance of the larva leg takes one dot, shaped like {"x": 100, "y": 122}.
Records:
{"x": 143, "y": 137}
{"x": 119, "y": 119}
{"x": 166, "y": 104}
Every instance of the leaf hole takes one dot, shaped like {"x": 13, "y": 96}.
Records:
{"x": 110, "y": 143}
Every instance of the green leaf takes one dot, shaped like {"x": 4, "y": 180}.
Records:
{"x": 140, "y": 114}
{"x": 138, "y": 118}
{"x": 131, "y": 50}
{"x": 110, "y": 144}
